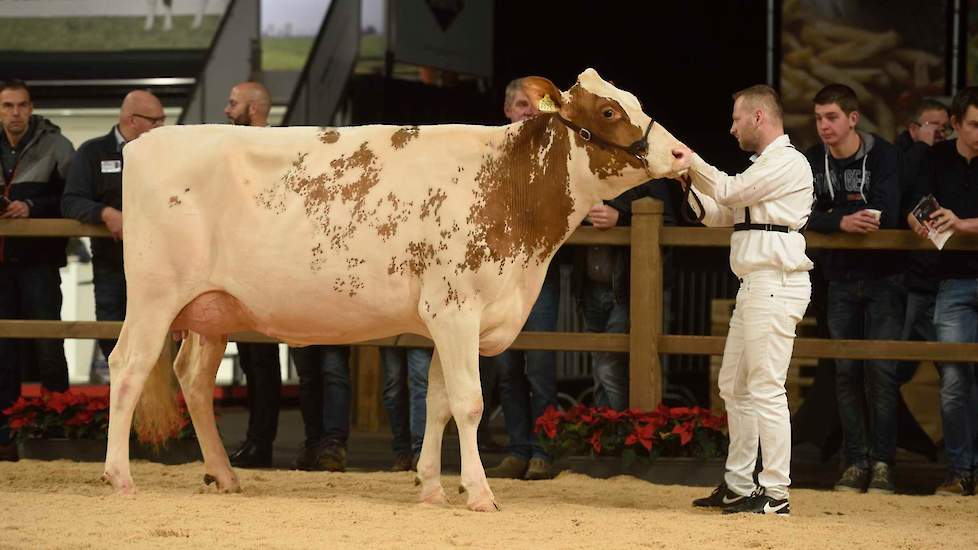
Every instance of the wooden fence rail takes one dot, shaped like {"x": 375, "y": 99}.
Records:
{"x": 644, "y": 343}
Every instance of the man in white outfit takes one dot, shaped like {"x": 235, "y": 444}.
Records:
{"x": 768, "y": 205}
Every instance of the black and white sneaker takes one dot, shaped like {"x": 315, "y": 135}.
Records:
{"x": 759, "y": 503}
{"x": 721, "y": 497}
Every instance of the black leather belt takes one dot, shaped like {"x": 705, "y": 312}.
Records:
{"x": 746, "y": 225}
{"x": 761, "y": 227}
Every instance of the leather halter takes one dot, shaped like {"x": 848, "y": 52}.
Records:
{"x": 635, "y": 149}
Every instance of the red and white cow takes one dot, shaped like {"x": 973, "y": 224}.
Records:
{"x": 341, "y": 235}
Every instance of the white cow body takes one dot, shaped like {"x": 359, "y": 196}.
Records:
{"x": 331, "y": 236}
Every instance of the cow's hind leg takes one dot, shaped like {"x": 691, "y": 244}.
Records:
{"x": 437, "y": 415}
{"x": 130, "y": 363}
{"x": 196, "y": 367}
{"x": 457, "y": 341}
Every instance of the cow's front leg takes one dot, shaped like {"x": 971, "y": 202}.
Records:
{"x": 436, "y": 417}
{"x": 457, "y": 341}
{"x": 196, "y": 367}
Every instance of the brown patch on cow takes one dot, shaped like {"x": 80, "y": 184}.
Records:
{"x": 433, "y": 203}
{"x": 322, "y": 193}
{"x": 397, "y": 215}
{"x": 523, "y": 199}
{"x": 328, "y": 136}
{"x": 403, "y": 135}
{"x": 585, "y": 109}
{"x": 174, "y": 201}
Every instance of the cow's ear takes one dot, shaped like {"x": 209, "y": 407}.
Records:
{"x": 544, "y": 95}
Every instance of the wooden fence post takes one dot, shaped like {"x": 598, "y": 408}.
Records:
{"x": 645, "y": 306}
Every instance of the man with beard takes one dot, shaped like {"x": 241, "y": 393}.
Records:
{"x": 767, "y": 205}
{"x": 248, "y": 105}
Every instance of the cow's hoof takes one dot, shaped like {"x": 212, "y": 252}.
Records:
{"x": 434, "y": 495}
{"x": 483, "y": 505}
{"x": 120, "y": 486}
{"x": 229, "y": 485}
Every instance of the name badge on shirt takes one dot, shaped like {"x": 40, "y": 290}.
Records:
{"x": 111, "y": 166}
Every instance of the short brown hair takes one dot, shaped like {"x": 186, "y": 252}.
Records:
{"x": 841, "y": 95}
{"x": 762, "y": 95}
{"x": 967, "y": 97}
{"x": 928, "y": 104}
{"x": 15, "y": 84}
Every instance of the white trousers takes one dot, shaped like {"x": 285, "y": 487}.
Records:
{"x": 755, "y": 363}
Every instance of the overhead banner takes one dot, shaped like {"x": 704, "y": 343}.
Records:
{"x": 108, "y": 25}
{"x": 454, "y": 35}
{"x": 892, "y": 53}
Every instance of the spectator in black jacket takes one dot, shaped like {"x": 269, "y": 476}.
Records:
{"x": 929, "y": 125}
{"x": 93, "y": 194}
{"x": 34, "y": 157}
{"x": 948, "y": 173}
{"x": 857, "y": 190}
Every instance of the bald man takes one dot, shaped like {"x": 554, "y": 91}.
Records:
{"x": 248, "y": 105}
{"x": 93, "y": 194}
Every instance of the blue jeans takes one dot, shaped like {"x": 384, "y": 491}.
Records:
{"x": 528, "y": 379}
{"x": 324, "y": 392}
{"x": 874, "y": 310}
{"x": 30, "y": 292}
{"x": 956, "y": 320}
{"x": 610, "y": 370}
{"x": 110, "y": 299}
{"x": 405, "y": 391}
{"x": 918, "y": 326}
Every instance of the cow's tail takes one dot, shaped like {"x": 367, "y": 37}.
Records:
{"x": 159, "y": 416}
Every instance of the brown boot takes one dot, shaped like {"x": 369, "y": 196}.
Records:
{"x": 512, "y": 467}
{"x": 332, "y": 458}
{"x": 956, "y": 485}
{"x": 539, "y": 468}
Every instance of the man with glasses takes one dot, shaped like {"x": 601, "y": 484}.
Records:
{"x": 34, "y": 160}
{"x": 929, "y": 124}
{"x": 93, "y": 194}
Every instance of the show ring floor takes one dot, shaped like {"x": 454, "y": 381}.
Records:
{"x": 63, "y": 504}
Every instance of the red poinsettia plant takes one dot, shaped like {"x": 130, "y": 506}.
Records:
{"x": 665, "y": 432}
{"x": 69, "y": 415}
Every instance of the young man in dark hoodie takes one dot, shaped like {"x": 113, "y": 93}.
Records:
{"x": 949, "y": 173}
{"x": 34, "y": 157}
{"x": 929, "y": 125}
{"x": 857, "y": 190}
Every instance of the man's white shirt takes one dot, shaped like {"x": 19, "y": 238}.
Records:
{"x": 779, "y": 189}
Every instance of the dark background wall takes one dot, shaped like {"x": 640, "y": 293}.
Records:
{"x": 683, "y": 59}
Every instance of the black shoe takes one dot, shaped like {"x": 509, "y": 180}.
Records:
{"x": 8, "y": 452}
{"x": 881, "y": 480}
{"x": 759, "y": 503}
{"x": 853, "y": 480}
{"x": 721, "y": 497}
{"x": 250, "y": 455}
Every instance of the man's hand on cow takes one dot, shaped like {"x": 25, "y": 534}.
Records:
{"x": 859, "y": 222}
{"x": 683, "y": 158}
{"x": 113, "y": 221}
{"x": 603, "y": 216}
{"x": 16, "y": 209}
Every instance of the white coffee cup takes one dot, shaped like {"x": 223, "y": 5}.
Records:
{"x": 875, "y": 213}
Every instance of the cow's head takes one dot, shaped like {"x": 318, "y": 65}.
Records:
{"x": 624, "y": 145}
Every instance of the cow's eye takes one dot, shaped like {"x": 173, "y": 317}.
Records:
{"x": 608, "y": 113}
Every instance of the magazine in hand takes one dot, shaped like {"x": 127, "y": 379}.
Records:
{"x": 922, "y": 212}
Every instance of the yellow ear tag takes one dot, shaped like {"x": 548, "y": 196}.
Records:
{"x": 547, "y": 105}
